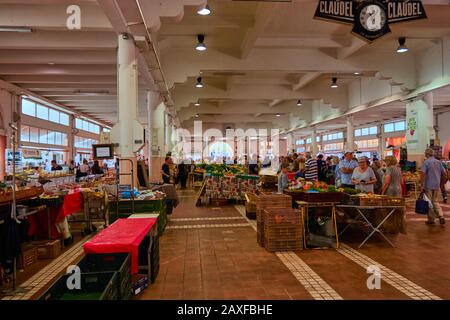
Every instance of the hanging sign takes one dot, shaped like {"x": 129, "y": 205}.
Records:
{"x": 412, "y": 122}
{"x": 31, "y": 154}
{"x": 370, "y": 18}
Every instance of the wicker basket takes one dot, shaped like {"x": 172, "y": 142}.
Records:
{"x": 271, "y": 200}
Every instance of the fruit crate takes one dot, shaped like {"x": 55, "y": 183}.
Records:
{"x": 28, "y": 257}
{"x": 110, "y": 262}
{"x": 140, "y": 206}
{"x": 368, "y": 201}
{"x": 394, "y": 201}
{"x": 47, "y": 249}
{"x": 271, "y": 200}
{"x": 94, "y": 286}
{"x": 281, "y": 217}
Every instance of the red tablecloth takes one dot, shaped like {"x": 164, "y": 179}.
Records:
{"x": 73, "y": 202}
{"x": 124, "y": 235}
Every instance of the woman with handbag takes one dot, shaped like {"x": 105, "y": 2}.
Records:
{"x": 392, "y": 185}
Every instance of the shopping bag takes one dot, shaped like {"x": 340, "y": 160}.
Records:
{"x": 430, "y": 204}
{"x": 422, "y": 205}
{"x": 447, "y": 186}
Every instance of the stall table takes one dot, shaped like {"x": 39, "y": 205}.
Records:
{"x": 124, "y": 235}
{"x": 365, "y": 220}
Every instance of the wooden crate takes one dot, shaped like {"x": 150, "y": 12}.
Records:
{"x": 47, "y": 249}
{"x": 28, "y": 256}
{"x": 281, "y": 216}
{"x": 271, "y": 200}
{"x": 368, "y": 201}
{"x": 394, "y": 201}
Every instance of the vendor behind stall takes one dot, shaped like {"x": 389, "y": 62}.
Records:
{"x": 363, "y": 176}
{"x": 55, "y": 166}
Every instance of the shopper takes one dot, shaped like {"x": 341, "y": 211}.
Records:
{"x": 182, "y": 175}
{"x": 378, "y": 186}
{"x": 283, "y": 178}
{"x": 392, "y": 178}
{"x": 363, "y": 176}
{"x": 444, "y": 180}
{"x": 165, "y": 170}
{"x": 431, "y": 175}
{"x": 321, "y": 168}
{"x": 55, "y": 166}
{"x": 310, "y": 168}
{"x": 96, "y": 168}
{"x": 72, "y": 167}
{"x": 346, "y": 168}
{"x": 301, "y": 167}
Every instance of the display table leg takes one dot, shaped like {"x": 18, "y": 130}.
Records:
{"x": 333, "y": 217}
{"x": 49, "y": 223}
{"x": 375, "y": 229}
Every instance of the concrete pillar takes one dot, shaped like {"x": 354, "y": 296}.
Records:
{"x": 71, "y": 139}
{"x": 153, "y": 100}
{"x": 350, "y": 137}
{"x": 419, "y": 127}
{"x": 381, "y": 140}
{"x": 128, "y": 104}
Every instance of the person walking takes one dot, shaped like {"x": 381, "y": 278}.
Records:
{"x": 430, "y": 176}
{"x": 346, "y": 168}
{"x": 182, "y": 175}
{"x": 311, "y": 168}
{"x": 363, "y": 176}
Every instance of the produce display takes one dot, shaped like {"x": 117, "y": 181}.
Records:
{"x": 411, "y": 177}
{"x": 225, "y": 170}
{"x": 234, "y": 187}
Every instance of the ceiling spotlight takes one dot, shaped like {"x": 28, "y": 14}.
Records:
{"x": 197, "y": 104}
{"x": 199, "y": 83}
{"x": 204, "y": 11}
{"x": 334, "y": 82}
{"x": 402, "y": 45}
{"x": 278, "y": 115}
{"x": 200, "y": 45}
{"x": 299, "y": 103}
{"x": 197, "y": 115}
{"x": 356, "y": 73}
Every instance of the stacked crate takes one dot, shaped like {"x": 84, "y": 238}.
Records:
{"x": 267, "y": 201}
{"x": 283, "y": 230}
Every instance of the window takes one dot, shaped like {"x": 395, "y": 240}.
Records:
{"x": 87, "y": 126}
{"x": 365, "y": 131}
{"x": 340, "y": 135}
{"x": 400, "y": 126}
{"x": 325, "y": 138}
{"x": 395, "y": 126}
{"x": 108, "y": 130}
{"x": 34, "y": 135}
{"x": 333, "y": 146}
{"x": 300, "y": 150}
{"x": 318, "y": 139}
{"x": 64, "y": 119}
{"x": 37, "y": 110}
{"x": 53, "y": 116}
{"x": 43, "y": 135}
{"x": 358, "y": 133}
{"x": 28, "y": 108}
{"x": 42, "y": 112}
{"x": 373, "y": 130}
{"x": 24, "y": 133}
{"x": 308, "y": 140}
{"x": 364, "y": 144}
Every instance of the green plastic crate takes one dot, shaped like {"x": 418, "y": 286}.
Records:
{"x": 110, "y": 262}
{"x": 140, "y": 206}
{"x": 94, "y": 286}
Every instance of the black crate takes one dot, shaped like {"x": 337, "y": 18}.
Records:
{"x": 94, "y": 286}
{"x": 110, "y": 262}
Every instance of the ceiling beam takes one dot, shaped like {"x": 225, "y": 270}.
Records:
{"x": 305, "y": 80}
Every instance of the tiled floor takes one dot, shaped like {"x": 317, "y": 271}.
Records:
{"x": 212, "y": 253}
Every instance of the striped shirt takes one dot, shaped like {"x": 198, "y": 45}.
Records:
{"x": 311, "y": 169}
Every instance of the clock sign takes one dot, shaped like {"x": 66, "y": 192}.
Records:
{"x": 370, "y": 18}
